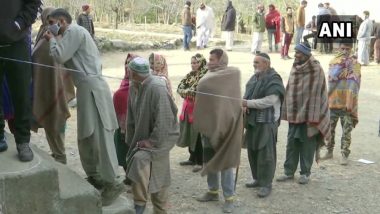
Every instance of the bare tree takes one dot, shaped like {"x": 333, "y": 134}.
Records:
{"x": 165, "y": 11}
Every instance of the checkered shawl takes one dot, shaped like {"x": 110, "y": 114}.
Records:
{"x": 306, "y": 98}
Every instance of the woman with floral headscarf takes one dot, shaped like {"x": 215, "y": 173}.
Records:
{"x": 160, "y": 68}
{"x": 188, "y": 136}
{"x": 120, "y": 101}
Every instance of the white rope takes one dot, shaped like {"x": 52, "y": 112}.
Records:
{"x": 110, "y": 77}
{"x": 50, "y": 66}
{"x": 217, "y": 95}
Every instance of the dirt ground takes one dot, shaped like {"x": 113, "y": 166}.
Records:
{"x": 333, "y": 188}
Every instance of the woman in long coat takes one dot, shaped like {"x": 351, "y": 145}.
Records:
{"x": 188, "y": 136}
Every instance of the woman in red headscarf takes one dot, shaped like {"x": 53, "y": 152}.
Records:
{"x": 120, "y": 101}
{"x": 272, "y": 23}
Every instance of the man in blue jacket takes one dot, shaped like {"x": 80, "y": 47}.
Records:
{"x": 16, "y": 17}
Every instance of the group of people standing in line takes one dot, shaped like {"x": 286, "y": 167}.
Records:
{"x": 139, "y": 126}
{"x": 311, "y": 105}
{"x": 281, "y": 30}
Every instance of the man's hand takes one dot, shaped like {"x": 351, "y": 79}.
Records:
{"x": 245, "y": 110}
{"x": 245, "y": 107}
{"x": 144, "y": 144}
{"x": 48, "y": 35}
{"x": 244, "y": 103}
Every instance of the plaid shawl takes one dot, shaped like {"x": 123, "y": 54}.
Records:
{"x": 306, "y": 98}
{"x": 344, "y": 85}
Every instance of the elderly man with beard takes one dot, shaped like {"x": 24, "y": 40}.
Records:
{"x": 263, "y": 97}
{"x": 306, "y": 109}
{"x": 218, "y": 116}
{"x": 152, "y": 130}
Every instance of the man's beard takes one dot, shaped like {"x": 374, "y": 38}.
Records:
{"x": 299, "y": 62}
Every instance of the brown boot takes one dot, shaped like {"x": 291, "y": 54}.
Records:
{"x": 328, "y": 155}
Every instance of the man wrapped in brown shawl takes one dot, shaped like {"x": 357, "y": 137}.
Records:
{"x": 52, "y": 89}
{"x": 218, "y": 116}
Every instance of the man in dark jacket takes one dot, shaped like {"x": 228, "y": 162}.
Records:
{"x": 228, "y": 25}
{"x": 16, "y": 17}
{"x": 85, "y": 20}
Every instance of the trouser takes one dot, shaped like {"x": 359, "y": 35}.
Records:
{"x": 298, "y": 37}
{"x": 326, "y": 46}
{"x": 263, "y": 164}
{"x": 56, "y": 141}
{"x": 18, "y": 77}
{"x": 311, "y": 35}
{"x": 140, "y": 192}
{"x": 299, "y": 148}
{"x": 257, "y": 41}
{"x": 121, "y": 148}
{"x": 98, "y": 156}
{"x": 372, "y": 48}
{"x": 227, "y": 176}
{"x": 187, "y": 34}
{"x": 229, "y": 39}
{"x": 286, "y": 40}
{"x": 347, "y": 124}
{"x": 196, "y": 156}
{"x": 203, "y": 35}
{"x": 363, "y": 52}
{"x": 272, "y": 37}
{"x": 377, "y": 50}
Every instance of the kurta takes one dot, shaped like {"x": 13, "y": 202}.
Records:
{"x": 364, "y": 39}
{"x": 152, "y": 115}
{"x": 96, "y": 120}
{"x": 78, "y": 51}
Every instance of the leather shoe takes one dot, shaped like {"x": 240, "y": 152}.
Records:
{"x": 252, "y": 185}
{"x": 264, "y": 191}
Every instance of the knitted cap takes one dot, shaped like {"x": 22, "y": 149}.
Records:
{"x": 139, "y": 65}
{"x": 264, "y": 55}
{"x": 304, "y": 48}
